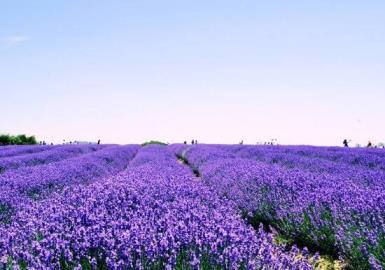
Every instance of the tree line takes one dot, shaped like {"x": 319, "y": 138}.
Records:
{"x": 6, "y": 139}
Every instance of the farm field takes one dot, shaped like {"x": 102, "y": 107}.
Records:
{"x": 191, "y": 207}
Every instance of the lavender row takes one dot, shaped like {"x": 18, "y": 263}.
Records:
{"x": 6, "y": 147}
{"x": 362, "y": 175}
{"x": 153, "y": 215}
{"x": 311, "y": 150}
{"x": 20, "y": 186}
{"x": 44, "y": 157}
{"x": 24, "y": 149}
{"x": 371, "y": 158}
{"x": 332, "y": 214}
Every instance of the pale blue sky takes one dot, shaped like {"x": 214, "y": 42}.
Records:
{"x": 304, "y": 72}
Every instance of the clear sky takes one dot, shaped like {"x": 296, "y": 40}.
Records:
{"x": 304, "y": 72}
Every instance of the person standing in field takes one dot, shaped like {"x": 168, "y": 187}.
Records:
{"x": 369, "y": 144}
{"x": 345, "y": 142}
{"x": 99, "y": 141}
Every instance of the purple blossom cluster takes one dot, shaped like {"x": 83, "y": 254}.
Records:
{"x": 54, "y": 154}
{"x": 155, "y": 214}
{"x": 22, "y": 185}
{"x": 326, "y": 202}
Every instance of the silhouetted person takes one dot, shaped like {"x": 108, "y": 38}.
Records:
{"x": 184, "y": 142}
{"x": 99, "y": 141}
{"x": 241, "y": 142}
{"x": 369, "y": 144}
{"x": 196, "y": 142}
{"x": 345, "y": 142}
{"x": 192, "y": 142}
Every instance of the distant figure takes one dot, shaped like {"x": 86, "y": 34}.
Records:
{"x": 369, "y": 144}
{"x": 44, "y": 143}
{"x": 345, "y": 142}
{"x": 196, "y": 142}
{"x": 241, "y": 142}
{"x": 192, "y": 142}
{"x": 99, "y": 141}
{"x": 184, "y": 142}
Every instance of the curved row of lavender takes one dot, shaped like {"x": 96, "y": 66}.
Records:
{"x": 19, "y": 187}
{"x": 44, "y": 157}
{"x": 153, "y": 215}
{"x": 15, "y": 150}
{"x": 330, "y": 212}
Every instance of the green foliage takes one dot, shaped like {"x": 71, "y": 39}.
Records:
{"x": 327, "y": 263}
{"x": 379, "y": 250}
{"x": 6, "y": 213}
{"x": 39, "y": 236}
{"x": 6, "y": 139}
{"x": 357, "y": 257}
{"x": 154, "y": 142}
{"x": 9, "y": 263}
{"x": 323, "y": 234}
{"x": 183, "y": 260}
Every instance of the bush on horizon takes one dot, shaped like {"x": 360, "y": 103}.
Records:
{"x": 154, "y": 142}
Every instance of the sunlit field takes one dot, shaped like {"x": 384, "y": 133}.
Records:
{"x": 195, "y": 206}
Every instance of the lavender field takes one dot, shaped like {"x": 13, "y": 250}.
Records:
{"x": 191, "y": 207}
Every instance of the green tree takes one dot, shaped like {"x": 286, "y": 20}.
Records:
{"x": 6, "y": 139}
